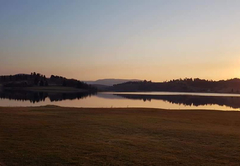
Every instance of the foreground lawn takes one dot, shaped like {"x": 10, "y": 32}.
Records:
{"x": 71, "y": 136}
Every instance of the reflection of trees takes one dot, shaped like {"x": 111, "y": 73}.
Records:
{"x": 188, "y": 100}
{"x": 24, "y": 96}
{"x": 68, "y": 96}
{"x": 35, "y": 97}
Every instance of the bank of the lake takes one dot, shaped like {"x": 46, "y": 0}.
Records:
{"x": 47, "y": 89}
{"x": 127, "y": 136}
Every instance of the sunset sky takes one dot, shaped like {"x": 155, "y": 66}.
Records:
{"x": 156, "y": 40}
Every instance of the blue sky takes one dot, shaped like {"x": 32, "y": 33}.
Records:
{"x": 145, "y": 39}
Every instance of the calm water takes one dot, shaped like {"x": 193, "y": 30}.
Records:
{"x": 165, "y": 100}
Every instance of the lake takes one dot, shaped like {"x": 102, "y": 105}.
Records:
{"x": 165, "y": 100}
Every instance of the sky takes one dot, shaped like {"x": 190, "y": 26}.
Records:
{"x": 155, "y": 40}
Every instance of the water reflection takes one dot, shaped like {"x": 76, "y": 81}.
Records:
{"x": 35, "y": 97}
{"x": 166, "y": 101}
{"x": 189, "y": 100}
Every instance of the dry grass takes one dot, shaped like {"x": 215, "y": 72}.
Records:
{"x": 72, "y": 136}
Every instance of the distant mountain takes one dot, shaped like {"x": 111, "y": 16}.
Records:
{"x": 110, "y": 82}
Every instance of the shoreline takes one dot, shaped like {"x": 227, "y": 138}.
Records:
{"x": 49, "y": 89}
{"x": 120, "y": 108}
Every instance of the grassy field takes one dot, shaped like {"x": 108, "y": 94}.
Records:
{"x": 80, "y": 136}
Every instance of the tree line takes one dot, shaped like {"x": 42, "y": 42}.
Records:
{"x": 37, "y": 79}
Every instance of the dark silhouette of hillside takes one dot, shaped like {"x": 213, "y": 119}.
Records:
{"x": 179, "y": 85}
{"x": 24, "y": 80}
{"x": 182, "y": 85}
{"x": 62, "y": 81}
{"x": 109, "y": 82}
{"x": 38, "y": 80}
